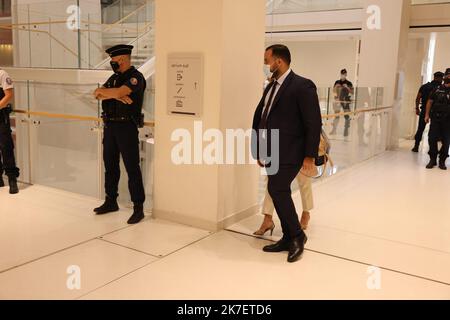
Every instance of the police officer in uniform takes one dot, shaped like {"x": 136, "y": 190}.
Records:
{"x": 7, "y": 160}
{"x": 122, "y": 97}
{"x": 438, "y": 110}
{"x": 421, "y": 105}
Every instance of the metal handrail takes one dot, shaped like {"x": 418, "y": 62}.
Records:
{"x": 151, "y": 124}
{"x": 349, "y": 113}
{"x": 69, "y": 116}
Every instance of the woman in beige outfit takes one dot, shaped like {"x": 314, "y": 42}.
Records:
{"x": 305, "y": 185}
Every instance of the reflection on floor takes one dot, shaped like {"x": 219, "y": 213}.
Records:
{"x": 374, "y": 214}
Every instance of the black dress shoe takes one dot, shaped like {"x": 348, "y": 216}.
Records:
{"x": 280, "y": 246}
{"x": 442, "y": 165}
{"x": 13, "y": 188}
{"x": 296, "y": 248}
{"x": 2, "y": 183}
{"x": 138, "y": 214}
{"x": 431, "y": 164}
{"x": 109, "y": 206}
{"x": 415, "y": 149}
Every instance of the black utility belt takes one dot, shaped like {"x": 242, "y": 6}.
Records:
{"x": 138, "y": 121}
{"x": 117, "y": 119}
{"x": 440, "y": 115}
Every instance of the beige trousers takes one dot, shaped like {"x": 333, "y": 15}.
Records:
{"x": 305, "y": 185}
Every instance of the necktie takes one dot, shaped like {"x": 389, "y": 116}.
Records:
{"x": 263, "y": 123}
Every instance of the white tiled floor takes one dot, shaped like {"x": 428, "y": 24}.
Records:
{"x": 375, "y": 213}
{"x": 156, "y": 237}
{"x": 99, "y": 262}
{"x": 232, "y": 266}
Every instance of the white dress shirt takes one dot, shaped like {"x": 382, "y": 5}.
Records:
{"x": 278, "y": 86}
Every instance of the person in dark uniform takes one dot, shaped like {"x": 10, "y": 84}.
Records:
{"x": 438, "y": 111}
{"x": 7, "y": 159}
{"x": 421, "y": 105}
{"x": 343, "y": 89}
{"x": 122, "y": 98}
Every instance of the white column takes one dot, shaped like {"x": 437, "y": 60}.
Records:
{"x": 230, "y": 35}
{"x": 383, "y": 53}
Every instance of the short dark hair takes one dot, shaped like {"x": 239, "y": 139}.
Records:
{"x": 281, "y": 51}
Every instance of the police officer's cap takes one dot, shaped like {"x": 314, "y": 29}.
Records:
{"x": 439, "y": 74}
{"x": 447, "y": 72}
{"x": 120, "y": 49}
{"x": 344, "y": 71}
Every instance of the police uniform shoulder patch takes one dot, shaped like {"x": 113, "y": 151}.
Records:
{"x": 9, "y": 81}
{"x": 133, "y": 81}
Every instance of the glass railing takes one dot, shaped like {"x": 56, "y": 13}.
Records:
{"x": 59, "y": 140}
{"x": 418, "y": 2}
{"x": 357, "y": 129}
{"x": 298, "y": 6}
{"x": 332, "y": 101}
{"x": 113, "y": 11}
{"x": 56, "y": 35}
{"x": 356, "y": 124}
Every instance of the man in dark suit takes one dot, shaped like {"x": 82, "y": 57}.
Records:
{"x": 289, "y": 107}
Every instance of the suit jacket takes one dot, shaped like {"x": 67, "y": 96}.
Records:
{"x": 295, "y": 112}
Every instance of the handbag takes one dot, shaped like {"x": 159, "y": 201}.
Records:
{"x": 323, "y": 157}
{"x": 324, "y": 152}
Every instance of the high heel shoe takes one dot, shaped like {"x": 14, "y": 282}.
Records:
{"x": 262, "y": 232}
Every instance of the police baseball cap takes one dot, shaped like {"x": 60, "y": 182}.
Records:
{"x": 439, "y": 74}
{"x": 344, "y": 71}
{"x": 119, "y": 50}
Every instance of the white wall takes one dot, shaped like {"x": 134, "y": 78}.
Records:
{"x": 442, "y": 55}
{"x": 417, "y": 53}
{"x": 230, "y": 35}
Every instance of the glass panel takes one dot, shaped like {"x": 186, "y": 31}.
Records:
{"x": 71, "y": 99}
{"x": 297, "y": 6}
{"x": 65, "y": 155}
{"x": 50, "y": 34}
{"x": 415, "y": 2}
{"x": 134, "y": 28}
{"x": 356, "y": 135}
{"x": 59, "y": 144}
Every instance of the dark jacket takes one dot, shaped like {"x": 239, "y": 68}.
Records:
{"x": 296, "y": 114}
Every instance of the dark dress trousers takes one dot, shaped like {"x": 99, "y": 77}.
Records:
{"x": 295, "y": 113}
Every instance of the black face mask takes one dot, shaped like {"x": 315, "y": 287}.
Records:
{"x": 115, "y": 66}
{"x": 447, "y": 81}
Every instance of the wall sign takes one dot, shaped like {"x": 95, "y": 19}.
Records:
{"x": 185, "y": 84}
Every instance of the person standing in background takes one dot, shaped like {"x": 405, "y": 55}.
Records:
{"x": 421, "y": 106}
{"x": 342, "y": 89}
{"x": 438, "y": 111}
{"x": 7, "y": 159}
